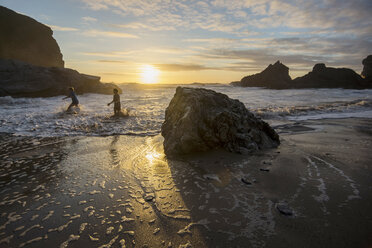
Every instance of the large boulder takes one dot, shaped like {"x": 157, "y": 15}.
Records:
{"x": 328, "y": 77}
{"x": 275, "y": 76}
{"x": 199, "y": 120}
{"x": 20, "y": 79}
{"x": 367, "y": 68}
{"x": 23, "y": 38}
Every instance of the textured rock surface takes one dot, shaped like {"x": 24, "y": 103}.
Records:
{"x": 328, "y": 77}
{"x": 275, "y": 76}
{"x": 367, "y": 68}
{"x": 23, "y": 38}
{"x": 199, "y": 120}
{"x": 20, "y": 79}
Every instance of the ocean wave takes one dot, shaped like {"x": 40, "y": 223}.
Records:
{"x": 46, "y": 117}
{"x": 322, "y": 108}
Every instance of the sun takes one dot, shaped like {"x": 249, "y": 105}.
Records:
{"x": 149, "y": 74}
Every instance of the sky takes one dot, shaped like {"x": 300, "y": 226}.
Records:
{"x": 216, "y": 41}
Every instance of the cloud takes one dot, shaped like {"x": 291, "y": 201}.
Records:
{"x": 110, "y": 54}
{"x": 238, "y": 17}
{"x": 113, "y": 61}
{"x": 63, "y": 29}
{"x": 248, "y": 34}
{"x": 87, "y": 19}
{"x": 97, "y": 33}
{"x": 139, "y": 25}
{"x": 182, "y": 67}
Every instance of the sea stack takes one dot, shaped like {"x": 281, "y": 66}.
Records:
{"x": 275, "y": 76}
{"x": 328, "y": 77}
{"x": 199, "y": 120}
{"x": 25, "y": 39}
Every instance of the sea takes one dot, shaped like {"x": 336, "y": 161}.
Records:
{"x": 146, "y": 104}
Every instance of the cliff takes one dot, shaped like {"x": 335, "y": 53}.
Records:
{"x": 23, "y": 38}
{"x": 20, "y": 79}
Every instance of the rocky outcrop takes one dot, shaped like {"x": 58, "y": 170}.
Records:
{"x": 275, "y": 76}
{"x": 367, "y": 69}
{"x": 20, "y": 79}
{"x": 328, "y": 77}
{"x": 23, "y": 38}
{"x": 199, "y": 120}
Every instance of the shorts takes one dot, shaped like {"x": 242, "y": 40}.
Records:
{"x": 117, "y": 106}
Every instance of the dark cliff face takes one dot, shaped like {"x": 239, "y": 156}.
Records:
{"x": 23, "y": 38}
{"x": 275, "y": 76}
{"x": 20, "y": 79}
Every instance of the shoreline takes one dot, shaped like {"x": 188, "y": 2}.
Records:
{"x": 93, "y": 191}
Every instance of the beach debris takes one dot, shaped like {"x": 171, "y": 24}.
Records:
{"x": 246, "y": 181}
{"x": 264, "y": 169}
{"x": 156, "y": 231}
{"x": 211, "y": 177}
{"x": 149, "y": 197}
{"x": 187, "y": 245}
{"x": 284, "y": 209}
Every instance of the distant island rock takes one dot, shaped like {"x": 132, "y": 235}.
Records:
{"x": 199, "y": 120}
{"x": 25, "y": 39}
{"x": 329, "y": 77}
{"x": 20, "y": 79}
{"x": 31, "y": 62}
{"x": 277, "y": 77}
{"x": 367, "y": 69}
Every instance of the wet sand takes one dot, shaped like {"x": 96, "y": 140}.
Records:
{"x": 315, "y": 190}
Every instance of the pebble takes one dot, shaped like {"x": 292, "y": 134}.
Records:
{"x": 284, "y": 209}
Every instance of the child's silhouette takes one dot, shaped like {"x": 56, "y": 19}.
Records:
{"x": 72, "y": 95}
{"x": 116, "y": 101}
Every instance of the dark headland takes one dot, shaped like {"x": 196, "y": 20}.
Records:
{"x": 277, "y": 76}
{"x": 31, "y": 63}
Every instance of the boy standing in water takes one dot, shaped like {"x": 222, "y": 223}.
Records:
{"x": 116, "y": 101}
{"x": 72, "y": 95}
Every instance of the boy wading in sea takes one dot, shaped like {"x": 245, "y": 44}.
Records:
{"x": 116, "y": 101}
{"x": 72, "y": 95}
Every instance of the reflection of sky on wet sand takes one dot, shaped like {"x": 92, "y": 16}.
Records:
{"x": 96, "y": 191}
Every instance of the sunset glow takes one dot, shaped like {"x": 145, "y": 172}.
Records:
{"x": 205, "y": 41}
{"x": 149, "y": 74}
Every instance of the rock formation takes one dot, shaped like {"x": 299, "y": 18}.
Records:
{"x": 23, "y": 38}
{"x": 275, "y": 76}
{"x": 20, "y": 79}
{"x": 328, "y": 77}
{"x": 367, "y": 69}
{"x": 199, "y": 120}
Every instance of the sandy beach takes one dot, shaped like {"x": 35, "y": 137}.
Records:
{"x": 314, "y": 190}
